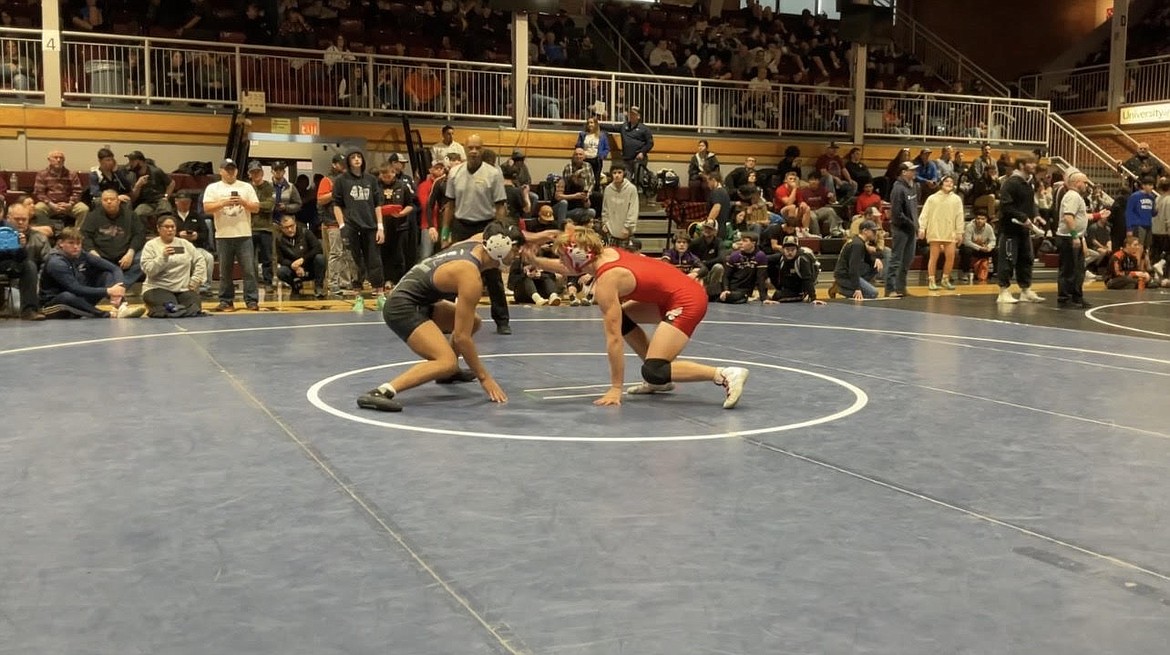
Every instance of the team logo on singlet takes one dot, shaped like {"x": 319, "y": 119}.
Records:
{"x": 673, "y": 314}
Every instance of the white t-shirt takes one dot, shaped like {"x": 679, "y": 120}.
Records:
{"x": 234, "y": 220}
{"x": 592, "y": 142}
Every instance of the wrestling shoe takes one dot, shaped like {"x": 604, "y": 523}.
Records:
{"x": 462, "y": 375}
{"x": 646, "y": 387}
{"x": 733, "y": 381}
{"x": 379, "y": 400}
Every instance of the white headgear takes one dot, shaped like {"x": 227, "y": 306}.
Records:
{"x": 499, "y": 240}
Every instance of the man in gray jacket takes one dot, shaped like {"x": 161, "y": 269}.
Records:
{"x": 904, "y": 225}
{"x": 637, "y": 142}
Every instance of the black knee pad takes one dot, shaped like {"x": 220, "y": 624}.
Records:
{"x": 628, "y": 324}
{"x": 656, "y": 371}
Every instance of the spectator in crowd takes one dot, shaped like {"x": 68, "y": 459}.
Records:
{"x": 619, "y": 207}
{"x": 1128, "y": 267}
{"x": 866, "y": 199}
{"x": 703, "y": 161}
{"x": 978, "y": 248}
{"x": 637, "y": 142}
{"x": 818, "y": 198}
{"x": 942, "y": 228}
{"x": 430, "y": 215}
{"x": 74, "y": 281}
{"x": 793, "y": 272}
{"x": 789, "y": 163}
{"x": 849, "y": 275}
{"x": 708, "y": 247}
{"x": 355, "y": 208}
{"x": 926, "y": 174}
{"x": 858, "y": 172}
{"x": 21, "y": 262}
{"x": 1143, "y": 164}
{"x": 835, "y": 174}
{"x": 681, "y": 257}
{"x": 1098, "y": 245}
{"x": 90, "y": 17}
{"x": 152, "y": 187}
{"x": 232, "y": 202}
{"x": 174, "y": 273}
{"x": 424, "y": 89}
{"x": 1139, "y": 212}
{"x": 739, "y": 177}
{"x": 904, "y": 224}
{"x": 476, "y": 192}
{"x": 518, "y": 202}
{"x": 397, "y": 204}
{"x": 573, "y": 190}
{"x": 111, "y": 231}
{"x": 262, "y": 227}
{"x": 530, "y": 284}
{"x": 109, "y": 176}
{"x": 294, "y": 31}
{"x": 299, "y": 257}
{"x": 789, "y": 204}
{"x": 945, "y": 164}
{"x": 340, "y": 269}
{"x": 1017, "y": 216}
{"x": 662, "y": 59}
{"x": 595, "y": 142}
{"x": 286, "y": 197}
{"x": 718, "y": 204}
{"x": 447, "y": 145}
{"x": 1160, "y": 229}
{"x": 746, "y": 271}
{"x": 192, "y": 227}
{"x": 57, "y": 196}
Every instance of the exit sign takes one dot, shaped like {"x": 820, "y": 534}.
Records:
{"x": 310, "y": 126}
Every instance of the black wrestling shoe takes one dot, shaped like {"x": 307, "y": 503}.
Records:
{"x": 503, "y": 328}
{"x": 463, "y": 375}
{"x": 377, "y": 399}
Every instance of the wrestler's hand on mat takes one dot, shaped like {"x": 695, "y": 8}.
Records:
{"x": 611, "y": 397}
{"x": 493, "y": 390}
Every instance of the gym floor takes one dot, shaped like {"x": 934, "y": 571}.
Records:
{"x": 931, "y": 475}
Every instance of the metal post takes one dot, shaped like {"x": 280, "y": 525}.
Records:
{"x": 447, "y": 88}
{"x": 699, "y": 106}
{"x": 371, "y": 95}
{"x": 146, "y": 70}
{"x": 520, "y": 70}
{"x": 1117, "y": 45}
{"x": 51, "y": 49}
{"x": 240, "y": 77}
{"x": 859, "y": 54}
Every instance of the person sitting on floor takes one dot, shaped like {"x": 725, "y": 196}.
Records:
{"x": 112, "y": 232}
{"x": 174, "y": 272}
{"x": 1129, "y": 268}
{"x": 856, "y": 258}
{"x": 19, "y": 260}
{"x": 747, "y": 271}
{"x": 74, "y": 281}
{"x": 796, "y": 273}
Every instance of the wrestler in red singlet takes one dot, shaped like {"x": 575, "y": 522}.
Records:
{"x": 681, "y": 302}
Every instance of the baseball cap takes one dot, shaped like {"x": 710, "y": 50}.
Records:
{"x": 338, "y": 159}
{"x": 867, "y": 225}
{"x": 790, "y": 242}
{"x": 279, "y": 166}
{"x": 136, "y": 155}
{"x": 105, "y": 152}
{"x": 709, "y": 225}
{"x": 228, "y": 163}
{"x": 909, "y": 166}
{"x": 254, "y": 166}
{"x": 635, "y": 109}
{"x": 394, "y": 158}
{"x": 517, "y": 154}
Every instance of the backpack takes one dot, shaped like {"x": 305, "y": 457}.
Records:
{"x": 9, "y": 239}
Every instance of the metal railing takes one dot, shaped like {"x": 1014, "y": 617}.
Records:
{"x": 170, "y": 72}
{"x": 944, "y": 117}
{"x": 20, "y": 67}
{"x": 1069, "y": 145}
{"x": 1109, "y": 129}
{"x": 1087, "y": 88}
{"x": 627, "y": 54}
{"x": 940, "y": 57}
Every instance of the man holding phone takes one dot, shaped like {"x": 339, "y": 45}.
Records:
{"x": 232, "y": 203}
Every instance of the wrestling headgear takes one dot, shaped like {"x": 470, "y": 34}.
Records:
{"x": 574, "y": 256}
{"x": 499, "y": 239}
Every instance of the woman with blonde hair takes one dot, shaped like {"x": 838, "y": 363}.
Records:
{"x": 942, "y": 227}
{"x": 595, "y": 142}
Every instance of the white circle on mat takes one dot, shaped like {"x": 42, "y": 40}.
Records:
{"x": 860, "y": 400}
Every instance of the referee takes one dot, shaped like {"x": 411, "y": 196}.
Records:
{"x": 476, "y": 194}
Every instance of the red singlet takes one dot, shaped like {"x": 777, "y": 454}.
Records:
{"x": 681, "y": 300}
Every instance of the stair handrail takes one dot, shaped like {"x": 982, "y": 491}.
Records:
{"x": 1088, "y": 144}
{"x": 622, "y": 43}
{"x": 995, "y": 87}
{"x": 1117, "y": 130}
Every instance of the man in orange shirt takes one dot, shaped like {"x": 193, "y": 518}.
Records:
{"x": 340, "y": 267}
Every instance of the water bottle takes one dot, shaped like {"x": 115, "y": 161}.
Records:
{"x": 359, "y": 305}
{"x": 13, "y": 182}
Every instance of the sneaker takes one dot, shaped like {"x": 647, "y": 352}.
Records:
{"x": 1006, "y": 297}
{"x": 932, "y": 285}
{"x": 253, "y": 306}
{"x": 128, "y": 311}
{"x": 947, "y": 284}
{"x": 1027, "y": 295}
{"x": 462, "y": 375}
{"x": 503, "y": 328}
{"x": 1081, "y": 304}
{"x": 554, "y": 300}
{"x": 733, "y": 381}
{"x": 378, "y": 400}
{"x": 646, "y": 388}
{"x": 538, "y": 300}
{"x": 31, "y": 315}
{"x": 225, "y": 307}
{"x": 575, "y": 302}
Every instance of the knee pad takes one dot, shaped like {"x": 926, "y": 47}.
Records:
{"x": 656, "y": 371}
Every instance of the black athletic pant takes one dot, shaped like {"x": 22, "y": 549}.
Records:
{"x": 492, "y": 279}
{"x": 1070, "y": 280}
{"x": 1015, "y": 256}
{"x": 363, "y": 243}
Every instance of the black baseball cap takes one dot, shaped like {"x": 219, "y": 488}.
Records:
{"x": 136, "y": 155}
{"x": 790, "y": 242}
{"x": 228, "y": 163}
{"x": 395, "y": 158}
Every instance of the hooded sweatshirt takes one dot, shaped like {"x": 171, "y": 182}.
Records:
{"x": 112, "y": 237}
{"x": 356, "y": 194}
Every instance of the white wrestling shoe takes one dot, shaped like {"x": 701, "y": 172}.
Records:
{"x": 646, "y": 387}
{"x": 733, "y": 380}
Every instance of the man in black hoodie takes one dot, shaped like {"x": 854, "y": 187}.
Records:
{"x": 904, "y": 225}
{"x": 1017, "y": 215}
{"x": 355, "y": 205}
{"x": 114, "y": 233}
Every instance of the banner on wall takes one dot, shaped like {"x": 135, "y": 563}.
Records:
{"x": 1145, "y": 114}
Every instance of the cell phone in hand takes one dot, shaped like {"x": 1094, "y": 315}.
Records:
{"x": 178, "y": 249}
{"x": 235, "y": 194}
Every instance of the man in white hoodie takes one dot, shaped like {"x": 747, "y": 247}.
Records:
{"x": 619, "y": 207}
